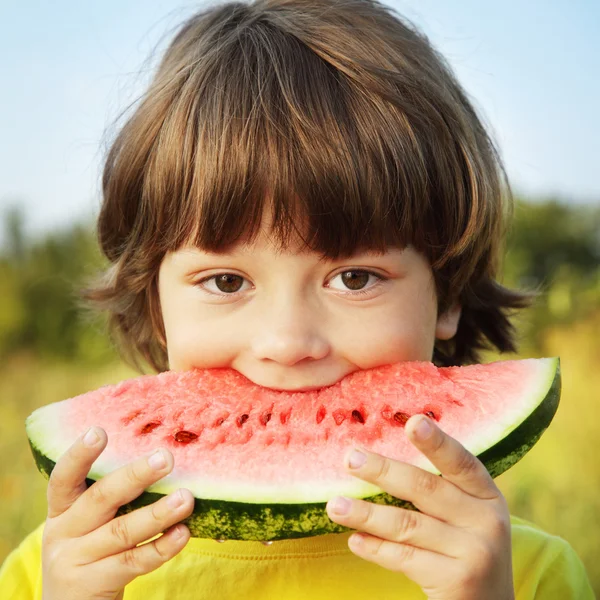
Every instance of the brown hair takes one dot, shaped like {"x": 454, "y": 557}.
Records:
{"x": 339, "y": 114}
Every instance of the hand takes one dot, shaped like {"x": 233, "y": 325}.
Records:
{"x": 87, "y": 554}
{"x": 459, "y": 546}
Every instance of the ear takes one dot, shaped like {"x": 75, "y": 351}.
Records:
{"x": 447, "y": 323}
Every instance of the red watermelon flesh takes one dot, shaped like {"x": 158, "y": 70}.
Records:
{"x": 236, "y": 441}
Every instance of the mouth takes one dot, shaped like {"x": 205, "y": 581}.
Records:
{"x": 278, "y": 383}
{"x": 305, "y": 388}
{"x": 301, "y": 388}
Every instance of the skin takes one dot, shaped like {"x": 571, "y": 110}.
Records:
{"x": 288, "y": 320}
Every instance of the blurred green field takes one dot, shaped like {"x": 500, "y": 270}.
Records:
{"x": 556, "y": 485}
{"x": 25, "y": 384}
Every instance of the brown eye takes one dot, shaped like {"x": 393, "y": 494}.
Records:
{"x": 229, "y": 283}
{"x": 355, "y": 280}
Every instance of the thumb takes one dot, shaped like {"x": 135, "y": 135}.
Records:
{"x": 67, "y": 480}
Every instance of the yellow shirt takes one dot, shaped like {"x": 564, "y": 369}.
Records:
{"x": 319, "y": 568}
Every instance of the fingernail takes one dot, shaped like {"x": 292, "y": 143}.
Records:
{"x": 423, "y": 429}
{"x": 157, "y": 460}
{"x": 175, "y": 499}
{"x": 91, "y": 438}
{"x": 179, "y": 532}
{"x": 340, "y": 505}
{"x": 356, "y": 459}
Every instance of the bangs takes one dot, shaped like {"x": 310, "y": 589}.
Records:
{"x": 287, "y": 134}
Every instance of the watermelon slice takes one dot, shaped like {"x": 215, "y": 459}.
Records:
{"x": 262, "y": 463}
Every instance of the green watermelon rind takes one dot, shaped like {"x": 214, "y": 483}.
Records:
{"x": 219, "y": 519}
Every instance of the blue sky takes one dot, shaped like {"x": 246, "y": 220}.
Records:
{"x": 69, "y": 67}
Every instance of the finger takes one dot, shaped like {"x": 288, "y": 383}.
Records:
{"x": 428, "y": 492}
{"x": 99, "y": 504}
{"x": 67, "y": 480}
{"x": 452, "y": 459}
{"x": 422, "y": 566}
{"x": 128, "y": 565}
{"x": 398, "y": 525}
{"x": 131, "y": 529}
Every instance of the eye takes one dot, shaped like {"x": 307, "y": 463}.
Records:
{"x": 223, "y": 283}
{"x": 355, "y": 280}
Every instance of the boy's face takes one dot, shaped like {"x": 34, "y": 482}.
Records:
{"x": 288, "y": 320}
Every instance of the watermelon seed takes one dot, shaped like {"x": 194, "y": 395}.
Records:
{"x": 185, "y": 437}
{"x": 357, "y": 416}
{"x": 241, "y": 420}
{"x": 126, "y": 420}
{"x": 431, "y": 415}
{"x": 265, "y": 418}
{"x": 401, "y": 417}
{"x": 339, "y": 416}
{"x": 148, "y": 427}
{"x": 321, "y": 414}
{"x": 267, "y": 542}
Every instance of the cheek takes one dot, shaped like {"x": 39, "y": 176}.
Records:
{"x": 196, "y": 335}
{"x": 404, "y": 331}
{"x": 194, "y": 339}
{"x": 194, "y": 345}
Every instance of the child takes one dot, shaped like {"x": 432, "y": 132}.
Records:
{"x": 304, "y": 191}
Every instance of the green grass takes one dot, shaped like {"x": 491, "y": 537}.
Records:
{"x": 556, "y": 485}
{"x": 26, "y": 384}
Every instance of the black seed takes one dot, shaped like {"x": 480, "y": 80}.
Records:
{"x": 241, "y": 420}
{"x": 357, "y": 416}
{"x": 401, "y": 417}
{"x": 185, "y": 437}
{"x": 430, "y": 414}
{"x": 265, "y": 418}
{"x": 148, "y": 427}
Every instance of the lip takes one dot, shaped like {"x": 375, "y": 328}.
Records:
{"x": 301, "y": 388}
{"x": 306, "y": 388}
{"x": 336, "y": 378}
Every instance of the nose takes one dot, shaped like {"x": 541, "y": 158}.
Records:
{"x": 288, "y": 334}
